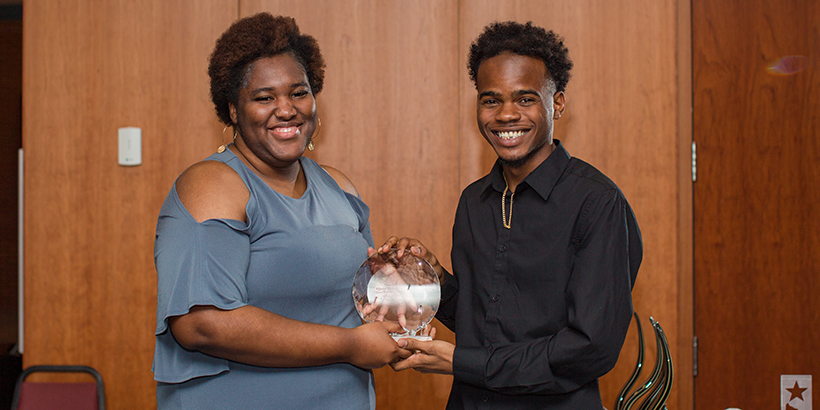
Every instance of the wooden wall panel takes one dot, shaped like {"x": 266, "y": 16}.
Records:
{"x": 622, "y": 116}
{"x": 389, "y": 123}
{"x": 91, "y": 67}
{"x": 397, "y": 117}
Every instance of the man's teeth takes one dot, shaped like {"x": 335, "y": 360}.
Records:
{"x": 508, "y": 135}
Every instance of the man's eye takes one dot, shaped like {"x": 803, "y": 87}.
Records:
{"x": 265, "y": 98}
{"x": 300, "y": 94}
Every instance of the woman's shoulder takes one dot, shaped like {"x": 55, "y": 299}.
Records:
{"x": 212, "y": 189}
{"x": 341, "y": 179}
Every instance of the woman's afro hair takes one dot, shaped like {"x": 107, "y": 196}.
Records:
{"x": 522, "y": 39}
{"x": 249, "y": 39}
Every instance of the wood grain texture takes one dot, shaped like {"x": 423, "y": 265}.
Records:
{"x": 398, "y": 118}
{"x": 622, "y": 116}
{"x": 756, "y": 199}
{"x": 90, "y": 68}
{"x": 683, "y": 340}
{"x": 389, "y": 123}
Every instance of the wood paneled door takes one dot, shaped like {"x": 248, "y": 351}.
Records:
{"x": 757, "y": 203}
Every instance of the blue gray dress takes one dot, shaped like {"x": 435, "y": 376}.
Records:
{"x": 295, "y": 257}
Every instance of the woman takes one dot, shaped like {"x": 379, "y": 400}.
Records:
{"x": 257, "y": 247}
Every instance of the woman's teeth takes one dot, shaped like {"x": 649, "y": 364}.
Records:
{"x": 508, "y": 135}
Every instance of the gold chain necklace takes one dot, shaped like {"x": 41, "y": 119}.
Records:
{"x": 504, "y": 203}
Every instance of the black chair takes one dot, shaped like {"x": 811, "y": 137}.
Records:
{"x": 653, "y": 393}
{"x": 68, "y": 396}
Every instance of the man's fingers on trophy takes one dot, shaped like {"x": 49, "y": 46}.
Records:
{"x": 429, "y": 331}
{"x": 409, "y": 344}
{"x": 389, "y": 243}
{"x": 402, "y": 245}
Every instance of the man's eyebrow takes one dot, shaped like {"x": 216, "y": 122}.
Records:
{"x": 528, "y": 91}
{"x": 515, "y": 93}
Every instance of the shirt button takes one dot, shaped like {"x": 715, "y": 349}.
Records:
{"x": 485, "y": 399}
{"x": 502, "y": 248}
{"x": 496, "y": 297}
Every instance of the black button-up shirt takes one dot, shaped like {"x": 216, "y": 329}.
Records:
{"x": 540, "y": 310}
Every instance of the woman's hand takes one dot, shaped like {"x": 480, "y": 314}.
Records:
{"x": 373, "y": 347}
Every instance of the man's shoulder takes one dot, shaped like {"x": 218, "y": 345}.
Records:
{"x": 581, "y": 172}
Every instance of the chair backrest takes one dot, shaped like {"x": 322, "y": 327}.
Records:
{"x": 68, "y": 396}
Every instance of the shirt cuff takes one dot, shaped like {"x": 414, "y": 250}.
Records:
{"x": 449, "y": 287}
{"x": 469, "y": 364}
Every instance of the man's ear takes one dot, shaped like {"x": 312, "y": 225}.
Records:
{"x": 558, "y": 102}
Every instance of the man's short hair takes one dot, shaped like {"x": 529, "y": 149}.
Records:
{"x": 526, "y": 40}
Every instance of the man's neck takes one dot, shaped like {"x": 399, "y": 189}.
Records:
{"x": 514, "y": 175}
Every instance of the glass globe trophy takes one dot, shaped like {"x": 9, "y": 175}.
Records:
{"x": 404, "y": 290}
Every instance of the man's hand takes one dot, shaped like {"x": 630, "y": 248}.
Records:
{"x": 435, "y": 356}
{"x": 416, "y": 248}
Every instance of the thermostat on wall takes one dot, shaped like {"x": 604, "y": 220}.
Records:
{"x": 130, "y": 146}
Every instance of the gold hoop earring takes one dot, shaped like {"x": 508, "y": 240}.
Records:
{"x": 223, "y": 147}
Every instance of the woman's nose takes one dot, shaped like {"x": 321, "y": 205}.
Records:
{"x": 284, "y": 109}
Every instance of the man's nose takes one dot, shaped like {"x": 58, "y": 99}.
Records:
{"x": 508, "y": 112}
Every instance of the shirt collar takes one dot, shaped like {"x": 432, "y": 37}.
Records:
{"x": 542, "y": 179}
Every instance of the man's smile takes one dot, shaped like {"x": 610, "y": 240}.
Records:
{"x": 509, "y": 135}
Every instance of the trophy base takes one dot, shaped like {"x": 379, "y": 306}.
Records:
{"x": 406, "y": 336}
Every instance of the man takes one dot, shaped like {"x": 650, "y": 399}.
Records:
{"x": 545, "y": 247}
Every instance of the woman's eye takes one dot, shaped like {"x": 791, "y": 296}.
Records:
{"x": 300, "y": 93}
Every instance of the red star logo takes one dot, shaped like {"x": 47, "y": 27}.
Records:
{"x": 796, "y": 391}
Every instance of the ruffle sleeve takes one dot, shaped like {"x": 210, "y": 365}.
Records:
{"x": 198, "y": 264}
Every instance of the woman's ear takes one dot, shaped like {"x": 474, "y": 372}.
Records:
{"x": 232, "y": 112}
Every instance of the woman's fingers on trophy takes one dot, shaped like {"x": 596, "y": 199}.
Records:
{"x": 367, "y": 309}
{"x": 401, "y": 311}
{"x": 384, "y": 309}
